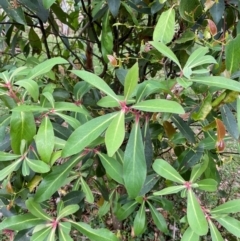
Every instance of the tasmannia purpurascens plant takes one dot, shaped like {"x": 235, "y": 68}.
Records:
{"x": 142, "y": 142}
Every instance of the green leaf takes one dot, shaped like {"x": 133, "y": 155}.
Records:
{"x": 183, "y": 82}
{"x": 209, "y": 185}
{"x": 134, "y": 165}
{"x": 80, "y": 89}
{"x": 195, "y": 215}
{"x": 31, "y": 86}
{"x": 22, "y": 127}
{"x": 94, "y": 234}
{"x": 165, "y": 28}
{"x": 38, "y": 166}
{"x": 54, "y": 180}
{"x": 45, "y": 140}
{"x": 109, "y": 102}
{"x": 190, "y": 235}
{"x": 30, "y": 108}
{"x": 41, "y": 234}
{"x": 68, "y": 210}
{"x": 25, "y": 168}
{"x": 159, "y": 105}
{"x": 215, "y": 234}
{"x": 238, "y": 113}
{"x": 162, "y": 48}
{"x": 199, "y": 169}
{"x": 4, "y": 156}
{"x": 36, "y": 210}
{"x": 232, "y": 52}
{"x": 218, "y": 81}
{"x": 113, "y": 168}
{"x": 63, "y": 231}
{"x": 115, "y": 133}
{"x": 128, "y": 208}
{"x": 34, "y": 41}
{"x": 131, "y": 80}
{"x": 187, "y": 35}
{"x": 87, "y": 191}
{"x": 195, "y": 56}
{"x": 9, "y": 169}
{"x": 96, "y": 82}
{"x": 114, "y": 6}
{"x": 73, "y": 122}
{"x": 45, "y": 67}
{"x": 139, "y": 224}
{"x": 67, "y": 106}
{"x": 190, "y": 10}
{"x": 231, "y": 224}
{"x": 86, "y": 133}
{"x": 164, "y": 169}
{"x": 232, "y": 206}
{"x": 48, "y": 3}
{"x": 169, "y": 190}
{"x": 158, "y": 219}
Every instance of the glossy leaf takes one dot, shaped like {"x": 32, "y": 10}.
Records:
{"x": 169, "y": 190}
{"x": 158, "y": 105}
{"x": 67, "y": 106}
{"x": 134, "y": 166}
{"x": 86, "y": 133}
{"x": 37, "y": 165}
{"x": 128, "y": 208}
{"x": 73, "y": 122}
{"x": 232, "y": 206}
{"x": 139, "y": 224}
{"x": 109, "y": 102}
{"x": 164, "y": 169}
{"x": 68, "y": 210}
{"x": 165, "y": 27}
{"x": 131, "y": 80}
{"x": 30, "y": 108}
{"x": 115, "y": 133}
{"x": 215, "y": 234}
{"x": 41, "y": 234}
{"x": 63, "y": 231}
{"x": 190, "y": 235}
{"x": 45, "y": 139}
{"x": 9, "y": 169}
{"x": 209, "y": 185}
{"x": 195, "y": 215}
{"x": 4, "y": 156}
{"x": 113, "y": 168}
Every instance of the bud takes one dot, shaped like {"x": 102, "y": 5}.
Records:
{"x": 112, "y": 60}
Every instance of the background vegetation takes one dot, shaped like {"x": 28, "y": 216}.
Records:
{"x": 119, "y": 120}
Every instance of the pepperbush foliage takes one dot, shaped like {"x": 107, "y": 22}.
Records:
{"x": 125, "y": 106}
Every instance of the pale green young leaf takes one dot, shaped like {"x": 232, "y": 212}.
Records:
{"x": 164, "y": 169}
{"x": 96, "y": 82}
{"x": 169, "y": 190}
{"x": 159, "y": 105}
{"x": 36, "y": 210}
{"x": 196, "y": 218}
{"x": 139, "y": 223}
{"x": 232, "y": 206}
{"x": 131, "y": 80}
{"x": 190, "y": 235}
{"x": 67, "y": 106}
{"x": 9, "y": 169}
{"x": 17, "y": 72}
{"x": 113, "y": 168}
{"x": 41, "y": 234}
{"x": 165, "y": 28}
{"x": 199, "y": 169}
{"x": 166, "y": 51}
{"x": 47, "y": 96}
{"x": 68, "y": 210}
{"x": 209, "y": 185}
{"x": 215, "y": 234}
{"x": 73, "y": 122}
{"x": 115, "y": 133}
{"x": 45, "y": 139}
{"x": 4, "y": 156}
{"x": 87, "y": 133}
{"x": 25, "y": 168}
{"x": 231, "y": 224}
{"x": 38, "y": 166}
{"x": 134, "y": 166}
{"x": 63, "y": 231}
{"x": 86, "y": 189}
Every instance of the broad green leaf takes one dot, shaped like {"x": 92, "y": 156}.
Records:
{"x": 67, "y": 106}
{"x": 96, "y": 82}
{"x": 159, "y": 105}
{"x": 80, "y": 89}
{"x": 36, "y": 210}
{"x": 47, "y": 96}
{"x": 158, "y": 219}
{"x": 195, "y": 56}
{"x": 115, "y": 133}
{"x": 86, "y": 189}
{"x": 190, "y": 10}
{"x": 86, "y": 133}
{"x": 231, "y": 224}
{"x": 17, "y": 72}
{"x": 131, "y": 80}
{"x": 22, "y": 127}
{"x": 238, "y": 113}
{"x": 109, "y": 102}
{"x": 199, "y": 169}
{"x": 41, "y": 234}
{"x": 218, "y": 81}
{"x": 114, "y": 6}
{"x": 54, "y": 180}
{"x": 73, "y": 122}
{"x": 232, "y": 206}
{"x": 169, "y": 190}
{"x": 94, "y": 234}
{"x": 190, "y": 235}
{"x": 217, "y": 11}
{"x": 4, "y": 156}
{"x": 51, "y": 236}
{"x": 9, "y": 169}
{"x": 209, "y": 185}
{"x": 233, "y": 54}
{"x": 68, "y": 210}
{"x": 134, "y": 165}
{"x": 48, "y": 3}
{"x": 45, "y": 67}
{"x": 25, "y": 168}
{"x": 215, "y": 234}
{"x": 38, "y": 166}
{"x": 20, "y": 222}
{"x": 128, "y": 208}
{"x": 113, "y": 168}
{"x": 64, "y": 231}
{"x": 164, "y": 169}
{"x": 139, "y": 224}
{"x": 30, "y": 108}
{"x": 45, "y": 139}
{"x": 187, "y": 35}
{"x": 195, "y": 215}
{"x": 166, "y": 51}
{"x": 185, "y": 83}
{"x": 165, "y": 28}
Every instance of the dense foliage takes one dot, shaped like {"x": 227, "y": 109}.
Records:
{"x": 116, "y": 119}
